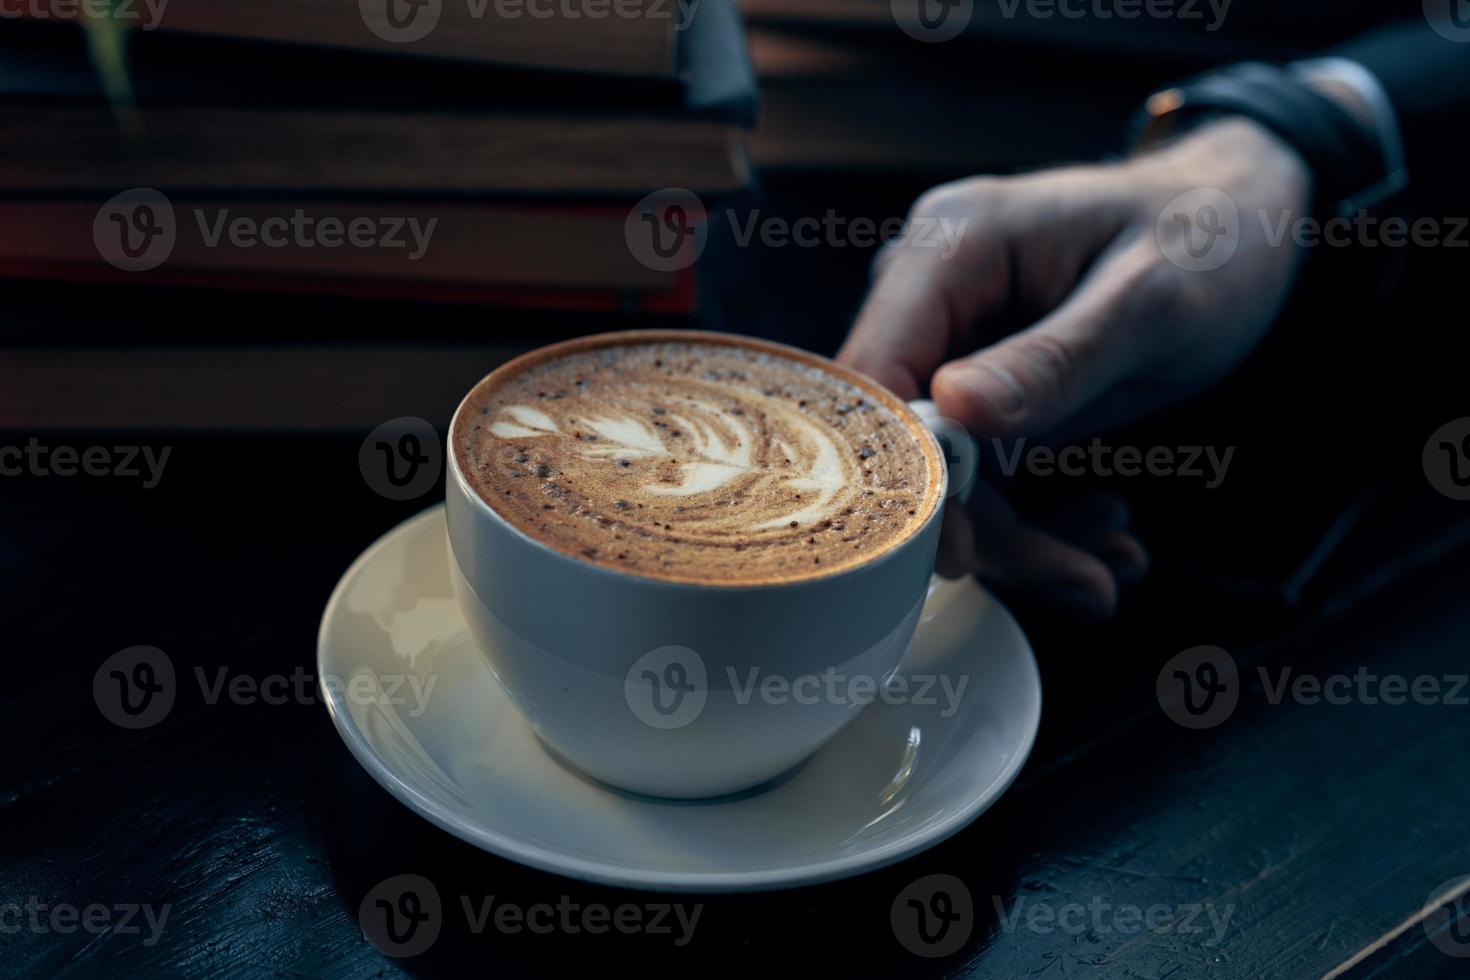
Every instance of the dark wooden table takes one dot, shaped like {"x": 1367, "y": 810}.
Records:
{"x": 1293, "y": 839}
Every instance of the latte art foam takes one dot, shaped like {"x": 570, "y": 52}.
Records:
{"x": 697, "y": 461}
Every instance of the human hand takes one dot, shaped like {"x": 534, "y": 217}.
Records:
{"x": 1069, "y": 307}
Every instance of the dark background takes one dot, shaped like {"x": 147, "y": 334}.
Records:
{"x": 1325, "y": 828}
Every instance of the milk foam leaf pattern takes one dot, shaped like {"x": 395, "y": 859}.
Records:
{"x": 697, "y": 462}
{"x": 722, "y": 446}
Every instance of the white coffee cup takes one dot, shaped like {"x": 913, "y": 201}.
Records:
{"x": 661, "y": 687}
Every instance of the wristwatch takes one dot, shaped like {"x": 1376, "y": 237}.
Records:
{"x": 1356, "y": 159}
{"x": 1355, "y": 168}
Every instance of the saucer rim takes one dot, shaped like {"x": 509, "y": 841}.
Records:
{"x": 623, "y": 876}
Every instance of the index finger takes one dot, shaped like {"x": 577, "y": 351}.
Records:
{"x": 902, "y": 334}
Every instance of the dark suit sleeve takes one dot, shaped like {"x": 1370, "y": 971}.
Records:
{"x": 1427, "y": 78}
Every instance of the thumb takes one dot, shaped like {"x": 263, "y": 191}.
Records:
{"x": 1030, "y": 382}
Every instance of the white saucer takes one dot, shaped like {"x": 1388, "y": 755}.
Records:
{"x": 898, "y": 779}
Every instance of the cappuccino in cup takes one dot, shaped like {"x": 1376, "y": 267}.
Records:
{"x": 698, "y": 461}
{"x": 639, "y": 520}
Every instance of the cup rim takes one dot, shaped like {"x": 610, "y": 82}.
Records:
{"x": 621, "y": 337}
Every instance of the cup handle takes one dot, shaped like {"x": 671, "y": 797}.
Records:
{"x": 962, "y": 459}
{"x": 961, "y": 453}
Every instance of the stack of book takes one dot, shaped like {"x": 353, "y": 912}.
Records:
{"x": 465, "y": 150}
